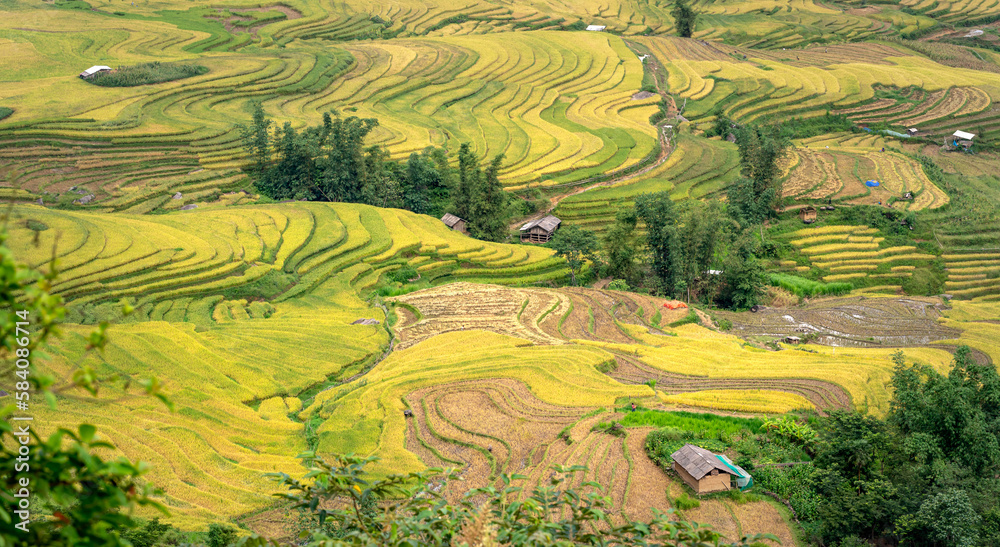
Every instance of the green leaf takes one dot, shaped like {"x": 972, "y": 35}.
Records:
{"x": 87, "y": 432}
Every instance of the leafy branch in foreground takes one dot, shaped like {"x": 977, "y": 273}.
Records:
{"x": 341, "y": 497}
{"x": 56, "y": 491}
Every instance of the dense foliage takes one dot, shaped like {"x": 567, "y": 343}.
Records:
{"x": 576, "y": 246}
{"x": 684, "y": 18}
{"x": 71, "y": 495}
{"x": 924, "y": 475}
{"x": 753, "y": 197}
{"x": 146, "y": 73}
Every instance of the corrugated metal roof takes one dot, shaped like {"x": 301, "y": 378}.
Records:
{"x": 95, "y": 69}
{"x": 698, "y": 462}
{"x": 964, "y": 135}
{"x": 596, "y": 28}
{"x": 548, "y": 223}
{"x": 450, "y": 220}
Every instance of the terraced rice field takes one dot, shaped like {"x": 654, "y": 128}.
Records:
{"x": 485, "y": 428}
{"x": 559, "y": 106}
{"x": 973, "y": 275}
{"x": 755, "y": 85}
{"x": 846, "y": 252}
{"x": 237, "y": 398}
{"x": 697, "y": 168}
{"x": 835, "y": 169}
{"x": 530, "y": 361}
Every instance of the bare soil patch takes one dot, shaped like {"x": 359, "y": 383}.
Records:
{"x": 855, "y": 321}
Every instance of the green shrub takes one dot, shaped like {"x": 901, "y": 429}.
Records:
{"x": 611, "y": 428}
{"x": 691, "y": 317}
{"x": 685, "y": 502}
{"x": 404, "y": 274}
{"x": 35, "y": 225}
{"x": 146, "y": 73}
{"x": 220, "y": 535}
{"x": 266, "y": 286}
{"x": 802, "y": 287}
{"x": 4, "y": 112}
{"x": 619, "y": 285}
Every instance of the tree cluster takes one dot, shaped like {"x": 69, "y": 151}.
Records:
{"x": 924, "y": 475}
{"x": 690, "y": 248}
{"x": 330, "y": 162}
{"x": 701, "y": 248}
{"x": 684, "y": 18}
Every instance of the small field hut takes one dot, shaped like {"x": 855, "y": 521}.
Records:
{"x": 807, "y": 214}
{"x": 963, "y": 139}
{"x": 912, "y": 131}
{"x": 706, "y": 472}
{"x": 454, "y": 223}
{"x": 541, "y": 230}
{"x": 96, "y": 69}
{"x": 596, "y": 28}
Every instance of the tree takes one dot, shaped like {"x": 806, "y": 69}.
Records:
{"x": 684, "y": 18}
{"x": 384, "y": 187}
{"x": 753, "y": 196}
{"x": 220, "y": 535}
{"x": 469, "y": 181}
{"x": 343, "y": 172}
{"x": 748, "y": 204}
{"x": 743, "y": 277}
{"x": 701, "y": 229}
{"x": 658, "y": 213}
{"x": 576, "y": 245}
{"x": 489, "y": 219}
{"x": 256, "y": 140}
{"x": 947, "y": 518}
{"x": 620, "y": 249}
{"x": 146, "y": 534}
{"x": 958, "y": 415}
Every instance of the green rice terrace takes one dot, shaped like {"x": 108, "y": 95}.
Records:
{"x": 506, "y": 239}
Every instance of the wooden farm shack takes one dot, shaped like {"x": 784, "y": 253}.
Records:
{"x": 792, "y": 340}
{"x": 96, "y": 69}
{"x": 706, "y": 472}
{"x": 912, "y": 131}
{"x": 539, "y": 231}
{"x": 454, "y": 223}
{"x": 807, "y": 214}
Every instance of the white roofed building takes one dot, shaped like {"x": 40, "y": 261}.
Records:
{"x": 96, "y": 69}
{"x": 596, "y": 28}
